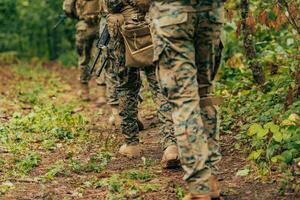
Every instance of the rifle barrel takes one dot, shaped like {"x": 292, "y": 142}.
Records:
{"x": 62, "y": 17}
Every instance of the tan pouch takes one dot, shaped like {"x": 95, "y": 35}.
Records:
{"x": 92, "y": 8}
{"x": 87, "y": 9}
{"x": 139, "y": 46}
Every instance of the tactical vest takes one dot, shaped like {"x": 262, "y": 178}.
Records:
{"x": 87, "y": 9}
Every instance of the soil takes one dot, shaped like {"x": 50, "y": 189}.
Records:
{"x": 234, "y": 187}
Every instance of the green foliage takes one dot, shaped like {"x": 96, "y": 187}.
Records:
{"x": 128, "y": 184}
{"x": 96, "y": 163}
{"x": 264, "y": 126}
{"x": 271, "y": 133}
{"x": 180, "y": 192}
{"x": 27, "y": 29}
{"x": 137, "y": 175}
{"x": 54, "y": 170}
{"x": 29, "y": 162}
{"x": 44, "y": 125}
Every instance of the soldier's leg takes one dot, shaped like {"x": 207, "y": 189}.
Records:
{"x": 173, "y": 33}
{"x": 111, "y": 84}
{"x": 170, "y": 157}
{"x": 128, "y": 87}
{"x": 83, "y": 48}
{"x": 101, "y": 83}
{"x": 112, "y": 95}
{"x": 208, "y": 59}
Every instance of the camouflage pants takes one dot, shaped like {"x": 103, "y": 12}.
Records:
{"x": 86, "y": 35}
{"x": 111, "y": 82}
{"x": 129, "y": 84}
{"x": 164, "y": 109}
{"x": 186, "y": 40}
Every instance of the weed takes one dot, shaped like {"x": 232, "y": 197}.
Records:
{"x": 138, "y": 175}
{"x": 6, "y": 186}
{"x": 115, "y": 184}
{"x": 98, "y": 162}
{"x": 54, "y": 170}
{"x": 28, "y": 163}
{"x": 180, "y": 192}
{"x": 62, "y": 133}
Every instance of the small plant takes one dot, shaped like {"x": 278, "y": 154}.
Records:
{"x": 180, "y": 192}
{"x": 54, "y": 170}
{"x": 139, "y": 175}
{"x": 28, "y": 163}
{"x": 98, "y": 162}
{"x": 115, "y": 184}
{"x": 62, "y": 133}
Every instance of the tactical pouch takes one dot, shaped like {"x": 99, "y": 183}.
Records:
{"x": 91, "y": 8}
{"x": 138, "y": 43}
{"x": 88, "y": 10}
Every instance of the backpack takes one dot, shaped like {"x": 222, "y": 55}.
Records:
{"x": 87, "y": 9}
{"x": 69, "y": 8}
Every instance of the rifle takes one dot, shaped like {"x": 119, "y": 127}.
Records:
{"x": 101, "y": 42}
{"x": 62, "y": 18}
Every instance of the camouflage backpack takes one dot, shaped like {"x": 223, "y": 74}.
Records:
{"x": 69, "y": 8}
{"x": 87, "y": 9}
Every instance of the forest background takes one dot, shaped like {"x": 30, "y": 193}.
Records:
{"x": 259, "y": 76}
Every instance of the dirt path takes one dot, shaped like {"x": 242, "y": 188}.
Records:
{"x": 121, "y": 178}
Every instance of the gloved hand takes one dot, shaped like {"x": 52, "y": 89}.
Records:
{"x": 114, "y": 22}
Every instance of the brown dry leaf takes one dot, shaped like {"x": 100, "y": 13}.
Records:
{"x": 236, "y": 61}
{"x": 229, "y": 15}
{"x": 280, "y": 20}
{"x": 251, "y": 22}
{"x": 263, "y": 17}
{"x": 271, "y": 24}
{"x": 289, "y": 99}
{"x": 276, "y": 10}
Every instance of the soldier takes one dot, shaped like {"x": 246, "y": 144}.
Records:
{"x": 186, "y": 37}
{"x": 87, "y": 31}
{"x": 129, "y": 83}
{"x": 110, "y": 76}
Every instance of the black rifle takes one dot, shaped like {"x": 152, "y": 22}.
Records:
{"x": 62, "y": 18}
{"x": 101, "y": 42}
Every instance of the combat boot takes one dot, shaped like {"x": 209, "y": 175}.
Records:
{"x": 114, "y": 119}
{"x": 214, "y": 187}
{"x": 170, "y": 158}
{"x": 101, "y": 101}
{"x": 197, "y": 196}
{"x": 214, "y": 194}
{"x": 84, "y": 92}
{"x": 130, "y": 150}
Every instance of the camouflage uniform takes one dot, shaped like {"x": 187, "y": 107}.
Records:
{"x": 164, "y": 109}
{"x": 186, "y": 37}
{"x": 129, "y": 80}
{"x": 109, "y": 79}
{"x": 86, "y": 34}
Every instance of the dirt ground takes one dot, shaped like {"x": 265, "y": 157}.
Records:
{"x": 252, "y": 187}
